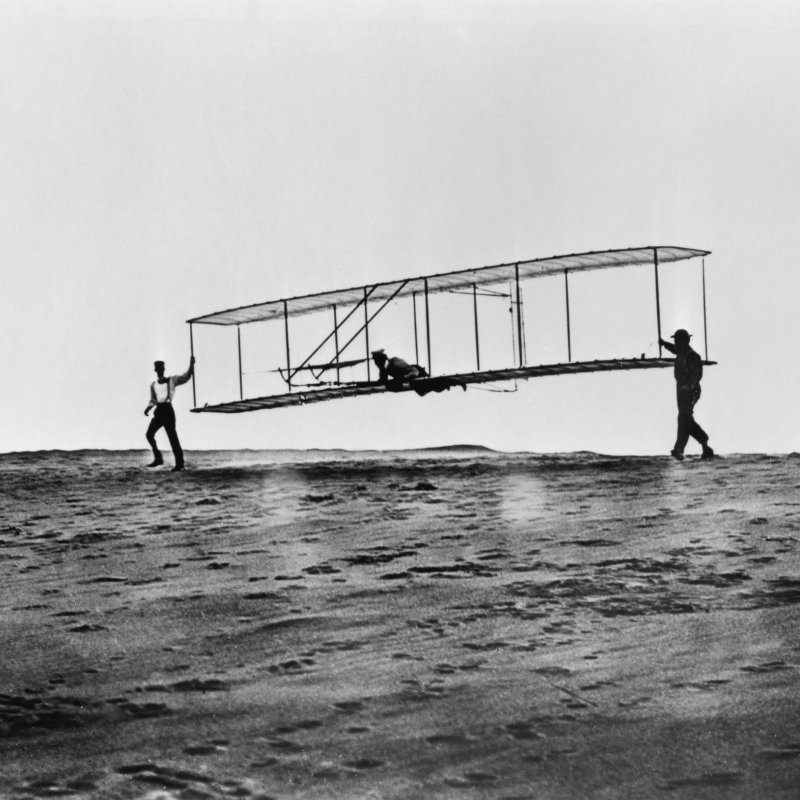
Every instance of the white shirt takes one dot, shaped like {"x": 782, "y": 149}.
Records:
{"x": 164, "y": 392}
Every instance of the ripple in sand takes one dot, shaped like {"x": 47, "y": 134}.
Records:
{"x": 779, "y": 592}
{"x": 208, "y": 749}
{"x": 709, "y": 779}
{"x": 786, "y": 751}
{"x": 21, "y": 715}
{"x": 201, "y": 685}
{"x": 472, "y": 779}
{"x": 770, "y": 666}
{"x": 47, "y": 788}
{"x": 449, "y": 738}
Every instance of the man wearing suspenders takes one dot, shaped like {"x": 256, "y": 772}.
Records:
{"x": 162, "y": 391}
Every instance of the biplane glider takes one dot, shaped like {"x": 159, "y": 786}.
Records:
{"x": 340, "y": 364}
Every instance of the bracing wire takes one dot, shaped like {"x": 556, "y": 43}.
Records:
{"x": 513, "y": 332}
{"x": 482, "y": 293}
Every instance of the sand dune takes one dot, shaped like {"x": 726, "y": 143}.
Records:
{"x": 454, "y": 624}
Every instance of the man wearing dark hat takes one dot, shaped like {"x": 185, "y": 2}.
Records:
{"x": 162, "y": 391}
{"x": 688, "y": 373}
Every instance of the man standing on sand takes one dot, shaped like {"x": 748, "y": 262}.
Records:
{"x": 688, "y": 373}
{"x": 162, "y": 391}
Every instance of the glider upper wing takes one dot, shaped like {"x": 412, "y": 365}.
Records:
{"x": 447, "y": 281}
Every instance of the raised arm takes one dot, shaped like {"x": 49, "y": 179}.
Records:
{"x": 668, "y": 345}
{"x": 181, "y": 379}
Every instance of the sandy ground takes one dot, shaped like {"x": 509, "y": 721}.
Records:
{"x": 440, "y": 625}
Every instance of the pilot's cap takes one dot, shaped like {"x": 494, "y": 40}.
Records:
{"x": 158, "y": 364}
{"x": 681, "y": 335}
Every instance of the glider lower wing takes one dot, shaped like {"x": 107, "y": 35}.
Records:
{"x": 439, "y": 383}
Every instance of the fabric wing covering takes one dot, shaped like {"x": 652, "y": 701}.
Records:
{"x": 301, "y": 398}
{"x": 447, "y": 281}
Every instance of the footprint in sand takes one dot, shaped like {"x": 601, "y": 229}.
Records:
{"x": 707, "y": 685}
{"x": 53, "y": 713}
{"x": 590, "y": 687}
{"x": 140, "y": 710}
{"x": 201, "y": 685}
{"x": 285, "y": 745}
{"x": 483, "y": 646}
{"x": 770, "y": 666}
{"x": 265, "y": 763}
{"x": 88, "y": 628}
{"x": 302, "y": 725}
{"x": 264, "y": 595}
{"x": 349, "y": 706}
{"x": 320, "y": 498}
{"x": 406, "y": 657}
{"x": 364, "y": 763}
{"x": 190, "y": 783}
{"x": 574, "y": 703}
{"x": 522, "y": 731}
{"x": 293, "y": 666}
{"x": 105, "y": 579}
{"x": 394, "y": 576}
{"x": 309, "y": 724}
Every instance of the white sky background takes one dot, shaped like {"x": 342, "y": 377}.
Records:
{"x": 162, "y": 160}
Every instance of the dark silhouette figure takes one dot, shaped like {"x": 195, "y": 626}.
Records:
{"x": 162, "y": 391}
{"x": 688, "y": 373}
{"x": 394, "y": 372}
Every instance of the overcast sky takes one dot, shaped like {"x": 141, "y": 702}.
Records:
{"x": 161, "y": 160}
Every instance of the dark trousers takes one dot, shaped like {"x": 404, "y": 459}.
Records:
{"x": 164, "y": 417}
{"x": 686, "y": 423}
